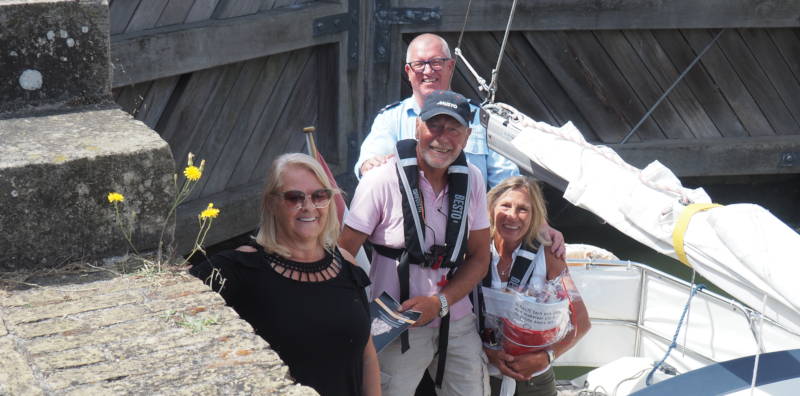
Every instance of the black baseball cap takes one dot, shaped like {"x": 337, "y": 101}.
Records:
{"x": 446, "y": 102}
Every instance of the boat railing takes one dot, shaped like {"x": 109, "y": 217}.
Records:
{"x": 707, "y": 334}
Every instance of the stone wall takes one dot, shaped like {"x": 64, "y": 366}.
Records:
{"x": 53, "y": 53}
{"x": 163, "y": 333}
{"x": 64, "y": 145}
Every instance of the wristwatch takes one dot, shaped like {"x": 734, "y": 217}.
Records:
{"x": 551, "y": 355}
{"x": 445, "y": 308}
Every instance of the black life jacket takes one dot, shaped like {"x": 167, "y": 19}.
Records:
{"x": 451, "y": 255}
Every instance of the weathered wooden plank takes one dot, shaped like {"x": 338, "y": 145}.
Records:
{"x": 328, "y": 97}
{"x": 269, "y": 118}
{"x": 611, "y": 88}
{"x": 131, "y": 98}
{"x": 665, "y": 74}
{"x": 243, "y": 132}
{"x": 513, "y": 86}
{"x": 174, "y": 12}
{"x": 699, "y": 82}
{"x": 235, "y": 8}
{"x": 642, "y": 83}
{"x": 788, "y": 41}
{"x": 146, "y": 15}
{"x": 715, "y": 157}
{"x": 210, "y": 115}
{"x": 764, "y": 93}
{"x": 184, "y": 112}
{"x": 156, "y": 101}
{"x": 267, "y": 5}
{"x": 299, "y": 111}
{"x": 720, "y": 69}
{"x": 201, "y": 10}
{"x": 492, "y": 15}
{"x": 173, "y": 50}
{"x": 378, "y": 77}
{"x": 556, "y": 52}
{"x": 524, "y": 57}
{"x": 462, "y": 83}
{"x": 776, "y": 69}
{"x": 120, "y": 14}
{"x": 481, "y": 49}
{"x": 227, "y": 115}
{"x": 239, "y": 211}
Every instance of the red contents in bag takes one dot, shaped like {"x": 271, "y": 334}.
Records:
{"x": 518, "y": 340}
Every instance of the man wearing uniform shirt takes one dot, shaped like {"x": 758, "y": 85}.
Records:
{"x": 429, "y": 67}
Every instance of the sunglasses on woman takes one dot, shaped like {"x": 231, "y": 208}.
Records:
{"x": 294, "y": 198}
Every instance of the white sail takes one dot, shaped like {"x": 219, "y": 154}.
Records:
{"x": 741, "y": 248}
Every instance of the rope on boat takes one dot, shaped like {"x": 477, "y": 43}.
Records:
{"x": 695, "y": 289}
{"x": 671, "y": 87}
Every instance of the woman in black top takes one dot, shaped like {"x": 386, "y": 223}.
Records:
{"x": 297, "y": 289}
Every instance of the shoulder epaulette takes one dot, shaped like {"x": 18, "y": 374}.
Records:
{"x": 389, "y": 106}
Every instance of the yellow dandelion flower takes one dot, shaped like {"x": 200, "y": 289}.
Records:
{"x": 209, "y": 213}
{"x": 115, "y": 197}
{"x": 192, "y": 173}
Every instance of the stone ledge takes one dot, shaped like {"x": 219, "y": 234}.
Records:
{"x": 55, "y": 172}
{"x": 137, "y": 345}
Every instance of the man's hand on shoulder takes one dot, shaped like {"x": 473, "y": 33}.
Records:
{"x": 557, "y": 238}
{"x": 374, "y": 162}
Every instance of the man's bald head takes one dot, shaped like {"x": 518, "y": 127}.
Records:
{"x": 427, "y": 39}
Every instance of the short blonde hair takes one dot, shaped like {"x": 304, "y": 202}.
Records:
{"x": 535, "y": 198}
{"x": 267, "y": 234}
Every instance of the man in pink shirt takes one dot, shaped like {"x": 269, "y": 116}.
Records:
{"x": 447, "y": 251}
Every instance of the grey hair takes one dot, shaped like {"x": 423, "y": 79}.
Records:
{"x": 425, "y": 36}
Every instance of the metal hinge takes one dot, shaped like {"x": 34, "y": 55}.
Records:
{"x": 385, "y": 17}
{"x": 340, "y": 23}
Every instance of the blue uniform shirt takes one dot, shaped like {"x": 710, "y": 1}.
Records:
{"x": 398, "y": 121}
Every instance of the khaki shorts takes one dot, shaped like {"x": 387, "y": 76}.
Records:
{"x": 466, "y": 372}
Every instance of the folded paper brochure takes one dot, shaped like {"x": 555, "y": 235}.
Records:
{"x": 387, "y": 322}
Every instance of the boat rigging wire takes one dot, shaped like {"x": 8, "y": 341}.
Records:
{"x": 491, "y": 88}
{"x": 493, "y": 84}
{"x": 464, "y": 26}
{"x": 671, "y": 87}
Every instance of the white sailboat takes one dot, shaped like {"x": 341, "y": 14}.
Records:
{"x": 639, "y": 312}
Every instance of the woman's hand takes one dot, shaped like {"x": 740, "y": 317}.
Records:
{"x": 501, "y": 360}
{"x": 529, "y": 363}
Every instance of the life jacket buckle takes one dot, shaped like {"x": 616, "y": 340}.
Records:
{"x": 435, "y": 258}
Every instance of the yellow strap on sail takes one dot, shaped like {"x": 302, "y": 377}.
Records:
{"x": 682, "y": 224}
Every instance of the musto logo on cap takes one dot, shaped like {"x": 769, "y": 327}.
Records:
{"x": 448, "y": 104}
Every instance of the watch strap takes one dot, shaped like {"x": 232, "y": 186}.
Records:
{"x": 445, "y": 308}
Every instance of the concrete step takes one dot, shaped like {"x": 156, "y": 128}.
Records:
{"x": 56, "y": 170}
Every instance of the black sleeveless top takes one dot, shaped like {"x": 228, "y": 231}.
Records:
{"x": 319, "y": 329}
